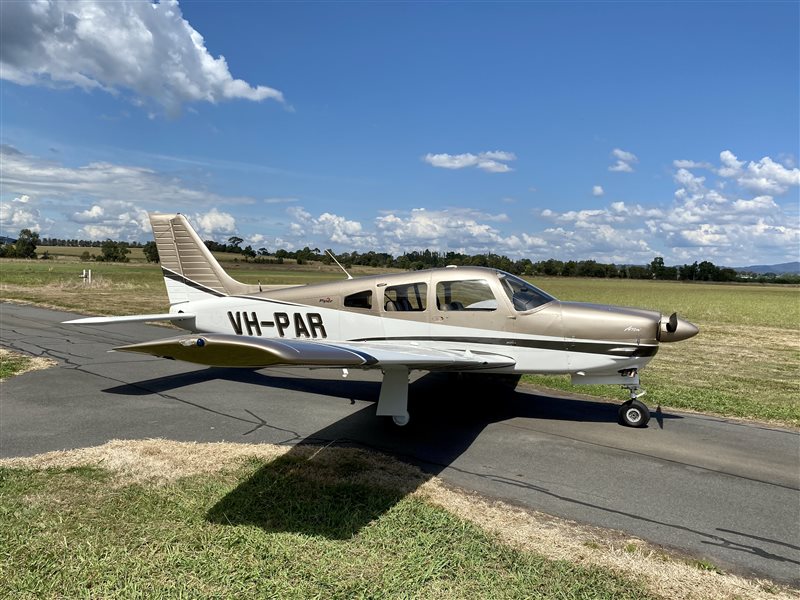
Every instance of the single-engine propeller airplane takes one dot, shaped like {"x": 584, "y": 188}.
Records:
{"x": 456, "y": 319}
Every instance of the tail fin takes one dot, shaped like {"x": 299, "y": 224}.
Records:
{"x": 190, "y": 270}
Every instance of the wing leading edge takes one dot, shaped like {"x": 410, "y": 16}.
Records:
{"x": 224, "y": 350}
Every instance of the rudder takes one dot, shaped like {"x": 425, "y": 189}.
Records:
{"x": 190, "y": 270}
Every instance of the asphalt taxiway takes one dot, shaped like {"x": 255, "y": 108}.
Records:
{"x": 718, "y": 489}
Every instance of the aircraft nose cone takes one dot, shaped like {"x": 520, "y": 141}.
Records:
{"x": 676, "y": 330}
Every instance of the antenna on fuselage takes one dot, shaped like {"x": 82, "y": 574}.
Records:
{"x": 338, "y": 263}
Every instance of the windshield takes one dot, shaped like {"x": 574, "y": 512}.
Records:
{"x": 522, "y": 294}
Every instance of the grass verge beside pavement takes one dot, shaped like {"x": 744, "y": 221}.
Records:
{"x": 14, "y": 363}
{"x": 171, "y": 519}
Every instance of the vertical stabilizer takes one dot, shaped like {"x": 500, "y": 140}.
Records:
{"x": 190, "y": 270}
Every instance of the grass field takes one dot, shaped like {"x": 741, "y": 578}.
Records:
{"x": 744, "y": 363}
{"x": 161, "y": 519}
{"x": 200, "y": 538}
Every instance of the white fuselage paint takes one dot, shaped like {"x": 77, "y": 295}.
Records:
{"x": 275, "y": 319}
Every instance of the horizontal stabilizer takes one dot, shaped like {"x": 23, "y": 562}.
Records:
{"x": 225, "y": 350}
{"x": 129, "y": 319}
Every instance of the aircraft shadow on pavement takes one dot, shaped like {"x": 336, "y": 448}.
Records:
{"x": 289, "y": 494}
{"x": 351, "y": 389}
{"x": 433, "y": 397}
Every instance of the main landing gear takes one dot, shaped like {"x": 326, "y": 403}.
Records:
{"x": 401, "y": 420}
{"x": 634, "y": 413}
{"x": 393, "y": 399}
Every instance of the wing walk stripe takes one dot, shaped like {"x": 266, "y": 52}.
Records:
{"x": 367, "y": 358}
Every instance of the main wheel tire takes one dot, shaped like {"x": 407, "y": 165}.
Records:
{"x": 634, "y": 414}
{"x": 401, "y": 420}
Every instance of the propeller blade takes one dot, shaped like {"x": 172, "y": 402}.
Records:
{"x": 672, "y": 325}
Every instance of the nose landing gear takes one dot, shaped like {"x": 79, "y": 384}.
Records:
{"x": 634, "y": 413}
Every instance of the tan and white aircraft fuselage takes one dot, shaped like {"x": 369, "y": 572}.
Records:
{"x": 450, "y": 319}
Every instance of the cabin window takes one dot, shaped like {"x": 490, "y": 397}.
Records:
{"x": 465, "y": 294}
{"x": 522, "y": 294}
{"x": 359, "y": 300}
{"x": 408, "y": 297}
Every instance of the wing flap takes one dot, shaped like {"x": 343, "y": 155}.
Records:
{"x": 224, "y": 350}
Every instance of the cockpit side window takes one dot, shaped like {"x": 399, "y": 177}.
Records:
{"x": 406, "y": 297}
{"x": 522, "y": 294}
{"x": 465, "y": 294}
{"x": 359, "y": 300}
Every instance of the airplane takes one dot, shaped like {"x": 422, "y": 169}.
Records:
{"x": 465, "y": 320}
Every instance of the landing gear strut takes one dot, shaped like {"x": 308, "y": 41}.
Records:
{"x": 634, "y": 413}
{"x": 393, "y": 399}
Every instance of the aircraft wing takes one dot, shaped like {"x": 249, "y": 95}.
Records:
{"x": 130, "y": 319}
{"x": 225, "y": 350}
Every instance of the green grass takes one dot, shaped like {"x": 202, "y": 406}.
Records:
{"x": 265, "y": 530}
{"x": 11, "y": 364}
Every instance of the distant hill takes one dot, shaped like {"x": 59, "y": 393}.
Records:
{"x": 790, "y": 267}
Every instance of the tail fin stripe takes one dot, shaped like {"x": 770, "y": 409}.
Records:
{"x": 186, "y": 281}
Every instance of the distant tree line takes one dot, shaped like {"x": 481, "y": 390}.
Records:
{"x": 23, "y": 247}
{"x": 111, "y": 251}
{"x": 233, "y": 246}
{"x": 83, "y": 243}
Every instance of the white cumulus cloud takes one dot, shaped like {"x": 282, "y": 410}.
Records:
{"x": 101, "y": 200}
{"x": 214, "y": 224}
{"x": 625, "y": 161}
{"x": 492, "y": 162}
{"x": 328, "y": 228}
{"x": 20, "y": 213}
{"x": 691, "y": 164}
{"x": 115, "y": 219}
{"x": 597, "y": 190}
{"x": 765, "y": 176}
{"x": 769, "y": 177}
{"x": 455, "y": 229}
{"x": 731, "y": 166}
{"x": 25, "y": 174}
{"x": 147, "y": 48}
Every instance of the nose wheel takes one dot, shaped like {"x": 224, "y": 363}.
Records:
{"x": 634, "y": 412}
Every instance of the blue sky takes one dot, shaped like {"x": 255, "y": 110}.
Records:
{"x": 606, "y": 131}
